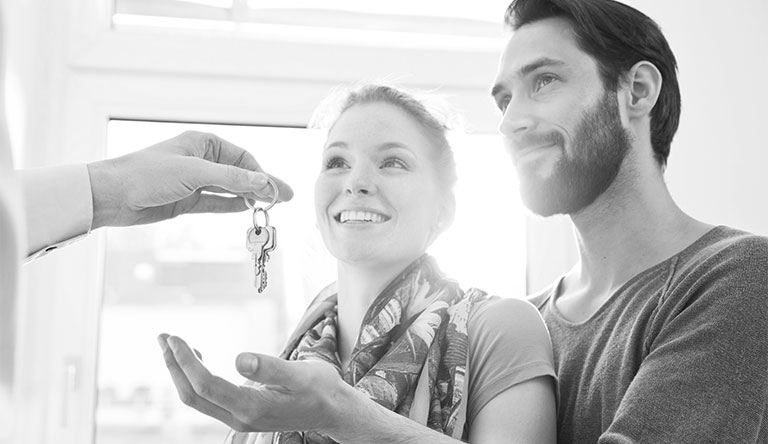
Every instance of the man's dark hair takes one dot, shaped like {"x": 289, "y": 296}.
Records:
{"x": 617, "y": 36}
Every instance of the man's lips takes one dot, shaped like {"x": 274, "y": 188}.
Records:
{"x": 529, "y": 153}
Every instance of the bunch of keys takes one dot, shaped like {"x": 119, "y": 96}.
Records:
{"x": 260, "y": 240}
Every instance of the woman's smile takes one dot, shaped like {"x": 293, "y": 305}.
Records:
{"x": 361, "y": 217}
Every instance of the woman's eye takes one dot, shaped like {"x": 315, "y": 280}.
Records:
{"x": 335, "y": 162}
{"x": 394, "y": 162}
{"x": 543, "y": 81}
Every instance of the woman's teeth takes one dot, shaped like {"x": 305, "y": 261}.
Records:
{"x": 360, "y": 216}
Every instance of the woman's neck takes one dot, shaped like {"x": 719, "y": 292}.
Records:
{"x": 358, "y": 286}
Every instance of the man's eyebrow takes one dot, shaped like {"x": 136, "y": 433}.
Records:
{"x": 527, "y": 69}
{"x": 533, "y": 66}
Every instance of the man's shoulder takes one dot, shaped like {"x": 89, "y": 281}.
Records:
{"x": 727, "y": 248}
{"x": 724, "y": 268}
{"x": 539, "y": 299}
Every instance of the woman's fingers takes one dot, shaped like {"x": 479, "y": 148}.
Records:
{"x": 188, "y": 394}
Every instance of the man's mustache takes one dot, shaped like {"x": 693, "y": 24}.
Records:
{"x": 532, "y": 140}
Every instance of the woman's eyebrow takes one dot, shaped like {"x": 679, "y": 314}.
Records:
{"x": 338, "y": 144}
{"x": 392, "y": 146}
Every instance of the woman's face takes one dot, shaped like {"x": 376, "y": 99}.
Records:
{"x": 377, "y": 198}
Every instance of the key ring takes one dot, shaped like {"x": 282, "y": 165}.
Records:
{"x": 256, "y": 225}
{"x": 271, "y": 204}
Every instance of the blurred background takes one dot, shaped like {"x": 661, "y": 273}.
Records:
{"x": 88, "y": 79}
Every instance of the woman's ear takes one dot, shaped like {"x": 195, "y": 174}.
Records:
{"x": 447, "y": 214}
{"x": 644, "y": 85}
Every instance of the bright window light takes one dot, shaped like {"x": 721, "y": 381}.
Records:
{"x": 491, "y": 11}
{"x": 429, "y": 23}
{"x": 213, "y": 3}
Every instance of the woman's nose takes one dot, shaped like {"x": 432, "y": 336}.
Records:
{"x": 360, "y": 182}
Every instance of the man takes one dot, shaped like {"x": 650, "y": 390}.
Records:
{"x": 661, "y": 329}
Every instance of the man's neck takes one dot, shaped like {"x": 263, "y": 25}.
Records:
{"x": 631, "y": 227}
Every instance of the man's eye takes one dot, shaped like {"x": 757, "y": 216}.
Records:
{"x": 335, "y": 162}
{"x": 394, "y": 162}
{"x": 543, "y": 81}
{"x": 503, "y": 104}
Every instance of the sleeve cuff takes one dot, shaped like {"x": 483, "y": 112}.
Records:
{"x": 58, "y": 207}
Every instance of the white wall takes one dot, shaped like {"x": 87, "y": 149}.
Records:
{"x": 717, "y": 167}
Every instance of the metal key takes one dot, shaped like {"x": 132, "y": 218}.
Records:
{"x": 261, "y": 239}
{"x": 255, "y": 240}
{"x": 266, "y": 249}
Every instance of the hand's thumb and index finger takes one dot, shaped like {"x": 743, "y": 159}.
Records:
{"x": 265, "y": 369}
{"x": 237, "y": 171}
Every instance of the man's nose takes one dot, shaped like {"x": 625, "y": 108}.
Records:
{"x": 517, "y": 119}
{"x": 361, "y": 181}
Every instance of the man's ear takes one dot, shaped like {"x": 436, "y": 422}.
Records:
{"x": 644, "y": 83}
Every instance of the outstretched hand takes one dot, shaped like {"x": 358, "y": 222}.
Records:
{"x": 170, "y": 178}
{"x": 288, "y": 396}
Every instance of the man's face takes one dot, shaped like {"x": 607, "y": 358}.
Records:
{"x": 562, "y": 128}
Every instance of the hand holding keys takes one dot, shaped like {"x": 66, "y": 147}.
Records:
{"x": 260, "y": 240}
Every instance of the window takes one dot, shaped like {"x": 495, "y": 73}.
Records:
{"x": 423, "y": 20}
{"x": 193, "y": 277}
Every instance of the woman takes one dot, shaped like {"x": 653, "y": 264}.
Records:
{"x": 470, "y": 366}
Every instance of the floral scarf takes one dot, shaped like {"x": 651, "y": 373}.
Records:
{"x": 410, "y": 355}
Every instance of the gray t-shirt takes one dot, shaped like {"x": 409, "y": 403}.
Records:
{"x": 678, "y": 355}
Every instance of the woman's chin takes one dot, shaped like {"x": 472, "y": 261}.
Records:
{"x": 383, "y": 258}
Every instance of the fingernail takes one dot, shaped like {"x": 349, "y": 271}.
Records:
{"x": 258, "y": 179}
{"x": 247, "y": 363}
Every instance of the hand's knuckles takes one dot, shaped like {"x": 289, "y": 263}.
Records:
{"x": 202, "y": 144}
{"x": 198, "y": 136}
{"x": 212, "y": 145}
{"x": 246, "y": 160}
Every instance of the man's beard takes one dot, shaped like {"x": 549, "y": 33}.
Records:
{"x": 599, "y": 146}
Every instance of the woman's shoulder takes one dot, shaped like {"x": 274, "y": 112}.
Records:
{"x": 512, "y": 324}
{"x": 506, "y": 313}
{"x": 508, "y": 344}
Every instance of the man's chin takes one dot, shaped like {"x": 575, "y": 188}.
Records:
{"x": 546, "y": 199}
{"x": 542, "y": 206}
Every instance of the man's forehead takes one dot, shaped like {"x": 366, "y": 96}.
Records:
{"x": 551, "y": 38}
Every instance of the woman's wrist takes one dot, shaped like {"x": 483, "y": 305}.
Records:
{"x": 347, "y": 410}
